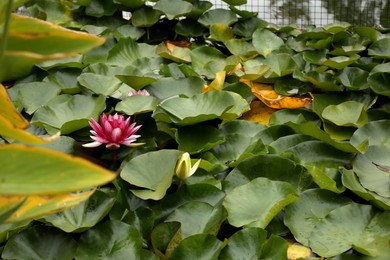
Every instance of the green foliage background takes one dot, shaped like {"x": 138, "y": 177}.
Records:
{"x": 317, "y": 175}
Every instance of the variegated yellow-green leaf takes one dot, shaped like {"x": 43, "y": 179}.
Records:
{"x": 39, "y": 205}
{"x": 35, "y": 170}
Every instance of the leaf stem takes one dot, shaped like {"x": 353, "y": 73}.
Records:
{"x": 3, "y": 42}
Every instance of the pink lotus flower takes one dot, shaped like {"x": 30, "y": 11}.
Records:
{"x": 142, "y": 92}
{"x": 113, "y": 130}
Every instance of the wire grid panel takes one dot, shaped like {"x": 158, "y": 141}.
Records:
{"x": 318, "y": 12}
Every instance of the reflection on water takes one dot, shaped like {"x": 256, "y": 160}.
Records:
{"x": 320, "y": 12}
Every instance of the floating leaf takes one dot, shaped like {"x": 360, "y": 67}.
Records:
{"x": 266, "y": 41}
{"x": 349, "y": 113}
{"x": 137, "y": 104}
{"x": 313, "y": 206}
{"x": 354, "y": 78}
{"x": 35, "y": 241}
{"x": 199, "y": 246}
{"x": 244, "y": 244}
{"x": 35, "y": 170}
{"x": 245, "y": 206}
{"x": 202, "y": 107}
{"x": 356, "y": 226}
{"x": 86, "y": 214}
{"x": 373, "y": 133}
{"x": 151, "y": 172}
{"x": 197, "y": 138}
{"x": 99, "y": 84}
{"x": 272, "y": 167}
{"x": 379, "y": 79}
{"x": 196, "y": 218}
{"x": 380, "y": 49}
{"x": 351, "y": 181}
{"x": 112, "y": 239}
{"x": 217, "y": 16}
{"x": 373, "y": 169}
{"x": 221, "y": 32}
{"x": 173, "y": 8}
{"x": 68, "y": 112}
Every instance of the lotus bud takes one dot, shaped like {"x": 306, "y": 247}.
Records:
{"x": 183, "y": 168}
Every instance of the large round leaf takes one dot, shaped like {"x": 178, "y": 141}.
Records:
{"x": 380, "y": 49}
{"x": 152, "y": 172}
{"x": 373, "y": 133}
{"x": 379, "y": 79}
{"x": 68, "y": 112}
{"x": 86, "y": 214}
{"x": 35, "y": 170}
{"x": 169, "y": 87}
{"x": 200, "y": 246}
{"x": 245, "y": 244}
{"x": 312, "y": 207}
{"x": 216, "y": 16}
{"x": 40, "y": 242}
{"x": 356, "y": 226}
{"x": 197, "y": 218}
{"x": 266, "y": 41}
{"x": 196, "y": 139}
{"x": 200, "y": 192}
{"x": 99, "y": 84}
{"x": 112, "y": 240}
{"x": 173, "y": 8}
{"x": 256, "y": 203}
{"x": 373, "y": 169}
{"x": 198, "y": 108}
{"x": 349, "y": 113}
{"x": 137, "y": 104}
{"x": 272, "y": 167}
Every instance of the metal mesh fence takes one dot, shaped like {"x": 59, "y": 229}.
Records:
{"x": 318, "y": 12}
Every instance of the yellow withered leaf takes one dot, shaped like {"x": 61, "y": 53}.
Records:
{"x": 217, "y": 83}
{"x": 8, "y": 110}
{"x": 270, "y": 98}
{"x": 35, "y": 206}
{"x": 259, "y": 113}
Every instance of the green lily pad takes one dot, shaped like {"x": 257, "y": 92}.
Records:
{"x": 272, "y": 167}
{"x": 349, "y": 113}
{"x": 173, "y": 8}
{"x": 380, "y": 49}
{"x": 99, "y": 84}
{"x": 196, "y": 139}
{"x": 201, "y": 107}
{"x": 351, "y": 181}
{"x": 196, "y": 218}
{"x": 354, "y": 78}
{"x": 244, "y": 244}
{"x": 112, "y": 239}
{"x": 373, "y": 169}
{"x": 145, "y": 16}
{"x": 34, "y": 95}
{"x": 379, "y": 79}
{"x": 65, "y": 109}
{"x": 310, "y": 210}
{"x": 266, "y": 41}
{"x": 137, "y": 104}
{"x": 247, "y": 207}
{"x": 356, "y": 226}
{"x": 86, "y": 214}
{"x": 169, "y": 87}
{"x": 66, "y": 79}
{"x": 199, "y": 246}
{"x": 152, "y": 172}
{"x": 373, "y": 133}
{"x": 35, "y": 241}
{"x": 202, "y": 57}
{"x": 216, "y": 16}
